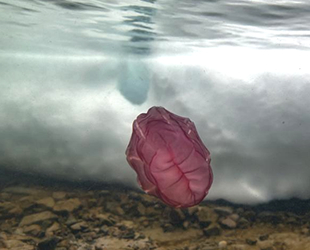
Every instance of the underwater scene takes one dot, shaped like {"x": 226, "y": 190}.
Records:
{"x": 152, "y": 124}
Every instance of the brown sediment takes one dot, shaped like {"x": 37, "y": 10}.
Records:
{"x": 34, "y": 216}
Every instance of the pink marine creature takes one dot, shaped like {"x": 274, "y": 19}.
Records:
{"x": 169, "y": 157}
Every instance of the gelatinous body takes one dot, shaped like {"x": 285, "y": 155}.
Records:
{"x": 169, "y": 158}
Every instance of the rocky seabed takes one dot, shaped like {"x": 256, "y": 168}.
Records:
{"x": 36, "y": 217}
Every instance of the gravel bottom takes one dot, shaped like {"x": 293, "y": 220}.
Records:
{"x": 65, "y": 218}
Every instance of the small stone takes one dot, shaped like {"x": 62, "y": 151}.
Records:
{"x": 129, "y": 234}
{"x": 206, "y": 216}
{"x": 71, "y": 220}
{"x": 79, "y": 226}
{"x": 111, "y": 206}
{"x": 270, "y": 217}
{"x": 33, "y": 230}
{"x": 264, "y": 237}
{"x": 92, "y": 202}
{"x": 104, "y": 229}
{"x": 223, "y": 211}
{"x": 251, "y": 242}
{"x": 305, "y": 231}
{"x": 48, "y": 244}
{"x": 106, "y": 219}
{"x": 67, "y": 205}
{"x": 19, "y": 231}
{"x": 234, "y": 217}
{"x": 119, "y": 211}
{"x": 192, "y": 248}
{"x": 212, "y": 231}
{"x": 53, "y": 228}
{"x": 228, "y": 223}
{"x": 3, "y": 236}
{"x": 239, "y": 247}
{"x": 141, "y": 209}
{"x": 192, "y": 210}
{"x": 5, "y": 196}
{"x": 47, "y": 202}
{"x": 59, "y": 195}
{"x": 265, "y": 245}
{"x": 243, "y": 223}
{"x": 148, "y": 200}
{"x": 21, "y": 190}
{"x": 222, "y": 244}
{"x": 89, "y": 236}
{"x": 38, "y": 217}
{"x": 186, "y": 224}
{"x": 144, "y": 221}
{"x": 167, "y": 227}
{"x": 116, "y": 232}
{"x": 64, "y": 243}
{"x": 26, "y": 202}
{"x": 127, "y": 223}
{"x": 15, "y": 210}
{"x": 5, "y": 206}
{"x": 250, "y": 215}
{"x": 140, "y": 245}
{"x": 139, "y": 236}
{"x": 151, "y": 211}
{"x": 5, "y": 226}
{"x": 173, "y": 216}
{"x": 17, "y": 245}
{"x": 292, "y": 221}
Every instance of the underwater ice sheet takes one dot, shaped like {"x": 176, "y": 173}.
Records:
{"x": 74, "y": 75}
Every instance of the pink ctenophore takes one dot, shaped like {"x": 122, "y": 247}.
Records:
{"x": 169, "y": 157}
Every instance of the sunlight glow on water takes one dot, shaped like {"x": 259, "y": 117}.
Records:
{"x": 119, "y": 27}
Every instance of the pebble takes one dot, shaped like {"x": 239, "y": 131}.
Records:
{"x": 53, "y": 228}
{"x": 33, "y": 230}
{"x": 21, "y": 190}
{"x": 119, "y": 211}
{"x": 59, "y": 195}
{"x": 234, "y": 217}
{"x": 17, "y": 245}
{"x": 47, "y": 202}
{"x": 251, "y": 242}
{"x": 243, "y": 223}
{"x": 239, "y": 247}
{"x": 141, "y": 209}
{"x": 48, "y": 244}
{"x": 38, "y": 217}
{"x": 223, "y": 211}
{"x": 212, "y": 231}
{"x": 266, "y": 244}
{"x": 79, "y": 226}
{"x": 69, "y": 205}
{"x": 305, "y": 231}
{"x": 228, "y": 223}
{"x": 206, "y": 216}
{"x": 263, "y": 237}
{"x": 222, "y": 244}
